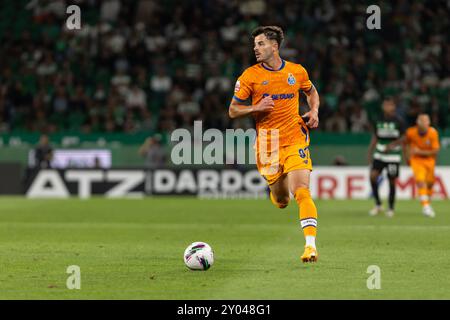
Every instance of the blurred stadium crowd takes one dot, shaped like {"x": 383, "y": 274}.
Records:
{"x": 148, "y": 65}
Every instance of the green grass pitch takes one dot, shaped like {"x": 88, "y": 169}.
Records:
{"x": 133, "y": 249}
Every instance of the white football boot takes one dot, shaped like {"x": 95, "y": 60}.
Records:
{"x": 390, "y": 213}
{"x": 428, "y": 211}
{"x": 375, "y": 211}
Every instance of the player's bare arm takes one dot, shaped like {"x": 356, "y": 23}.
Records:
{"x": 406, "y": 151}
{"x": 399, "y": 142}
{"x": 312, "y": 97}
{"x": 424, "y": 153}
{"x": 372, "y": 145}
{"x": 238, "y": 110}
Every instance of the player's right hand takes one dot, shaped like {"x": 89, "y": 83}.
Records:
{"x": 389, "y": 147}
{"x": 265, "y": 105}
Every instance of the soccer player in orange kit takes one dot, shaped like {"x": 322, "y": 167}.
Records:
{"x": 282, "y": 153}
{"x": 422, "y": 146}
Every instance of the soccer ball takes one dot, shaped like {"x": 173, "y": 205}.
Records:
{"x": 198, "y": 256}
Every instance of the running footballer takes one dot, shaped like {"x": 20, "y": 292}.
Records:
{"x": 282, "y": 153}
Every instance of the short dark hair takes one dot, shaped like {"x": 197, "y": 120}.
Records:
{"x": 271, "y": 33}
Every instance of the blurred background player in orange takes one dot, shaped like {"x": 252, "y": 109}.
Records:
{"x": 422, "y": 147}
{"x": 282, "y": 154}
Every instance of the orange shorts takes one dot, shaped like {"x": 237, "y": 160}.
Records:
{"x": 289, "y": 158}
{"x": 423, "y": 170}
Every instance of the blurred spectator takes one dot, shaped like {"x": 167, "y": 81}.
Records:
{"x": 339, "y": 160}
{"x": 121, "y": 80}
{"x": 414, "y": 110}
{"x": 217, "y": 82}
{"x": 100, "y": 93}
{"x": 60, "y": 101}
{"x": 338, "y": 120}
{"x": 153, "y": 152}
{"x": 161, "y": 82}
{"x": 47, "y": 67}
{"x": 109, "y": 10}
{"x": 359, "y": 120}
{"x": 136, "y": 100}
{"x": 188, "y": 106}
{"x": 43, "y": 153}
{"x": 148, "y": 122}
{"x": 79, "y": 100}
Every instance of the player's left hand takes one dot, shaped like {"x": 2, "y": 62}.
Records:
{"x": 389, "y": 147}
{"x": 414, "y": 151}
{"x": 313, "y": 116}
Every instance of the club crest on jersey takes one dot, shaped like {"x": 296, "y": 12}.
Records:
{"x": 291, "y": 79}
{"x": 265, "y": 83}
{"x": 237, "y": 87}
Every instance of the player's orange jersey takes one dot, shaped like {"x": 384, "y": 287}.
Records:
{"x": 427, "y": 141}
{"x": 283, "y": 85}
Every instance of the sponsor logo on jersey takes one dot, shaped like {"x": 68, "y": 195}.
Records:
{"x": 280, "y": 96}
{"x": 265, "y": 83}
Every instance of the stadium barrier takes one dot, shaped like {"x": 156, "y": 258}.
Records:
{"x": 326, "y": 183}
{"x": 124, "y": 148}
{"x": 11, "y": 178}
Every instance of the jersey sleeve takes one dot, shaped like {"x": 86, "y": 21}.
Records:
{"x": 435, "y": 140}
{"x": 243, "y": 88}
{"x": 305, "y": 83}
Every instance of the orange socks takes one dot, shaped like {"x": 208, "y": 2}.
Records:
{"x": 307, "y": 212}
{"x": 424, "y": 196}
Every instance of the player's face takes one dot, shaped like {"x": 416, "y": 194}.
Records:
{"x": 389, "y": 108}
{"x": 43, "y": 140}
{"x": 264, "y": 48}
{"x": 423, "y": 122}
